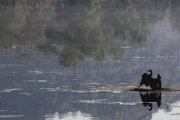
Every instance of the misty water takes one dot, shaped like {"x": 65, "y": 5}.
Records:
{"x": 71, "y": 59}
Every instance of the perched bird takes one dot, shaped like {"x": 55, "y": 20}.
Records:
{"x": 146, "y": 79}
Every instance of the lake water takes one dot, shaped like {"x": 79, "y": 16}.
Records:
{"x": 71, "y": 59}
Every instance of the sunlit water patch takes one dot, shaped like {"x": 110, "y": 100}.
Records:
{"x": 171, "y": 111}
{"x": 69, "y": 116}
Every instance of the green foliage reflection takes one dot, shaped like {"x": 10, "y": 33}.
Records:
{"x": 83, "y": 28}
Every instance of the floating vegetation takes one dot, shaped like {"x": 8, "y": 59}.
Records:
{"x": 25, "y": 93}
{"x": 175, "y": 114}
{"x": 55, "y": 73}
{"x": 138, "y": 57}
{"x": 151, "y": 90}
{"x": 52, "y": 90}
{"x": 91, "y": 90}
{"x": 65, "y": 86}
{"x": 12, "y": 65}
{"x": 42, "y": 80}
{"x": 110, "y": 85}
{"x": 30, "y": 81}
{"x": 6, "y": 90}
{"x": 116, "y": 92}
{"x": 10, "y": 116}
{"x": 110, "y": 89}
{"x": 4, "y": 110}
{"x": 36, "y": 72}
{"x": 11, "y": 89}
{"x": 79, "y": 91}
{"x": 93, "y": 83}
{"x": 105, "y": 89}
{"x": 91, "y": 87}
{"x": 171, "y": 60}
{"x": 125, "y": 47}
{"x": 104, "y": 101}
{"x": 164, "y": 56}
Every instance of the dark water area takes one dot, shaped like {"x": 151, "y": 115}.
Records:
{"x": 71, "y": 59}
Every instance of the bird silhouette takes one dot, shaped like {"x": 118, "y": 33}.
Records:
{"x": 150, "y": 73}
{"x": 155, "y": 83}
{"x": 148, "y": 98}
{"x": 146, "y": 79}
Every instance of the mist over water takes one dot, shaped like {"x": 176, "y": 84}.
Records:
{"x": 71, "y": 59}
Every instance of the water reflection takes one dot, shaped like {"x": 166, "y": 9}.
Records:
{"x": 69, "y": 116}
{"x": 171, "y": 111}
{"x": 148, "y": 98}
{"x": 58, "y": 52}
{"x": 90, "y": 32}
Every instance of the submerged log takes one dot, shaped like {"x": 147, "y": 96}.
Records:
{"x": 152, "y": 90}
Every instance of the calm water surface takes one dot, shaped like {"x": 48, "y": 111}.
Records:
{"x": 70, "y": 59}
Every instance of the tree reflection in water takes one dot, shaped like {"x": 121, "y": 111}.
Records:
{"x": 73, "y": 30}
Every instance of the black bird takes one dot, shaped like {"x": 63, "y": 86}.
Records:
{"x": 155, "y": 83}
{"x": 146, "y": 79}
{"x": 150, "y": 75}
